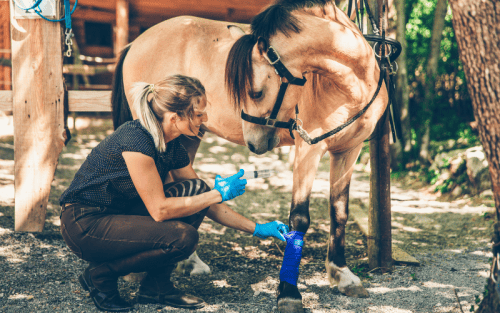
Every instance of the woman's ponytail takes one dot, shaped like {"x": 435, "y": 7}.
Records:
{"x": 144, "y": 96}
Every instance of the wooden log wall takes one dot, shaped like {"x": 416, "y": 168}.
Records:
{"x": 5, "y": 55}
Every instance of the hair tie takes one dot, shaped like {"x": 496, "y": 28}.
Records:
{"x": 151, "y": 89}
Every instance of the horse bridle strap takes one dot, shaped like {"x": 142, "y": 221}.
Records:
{"x": 305, "y": 136}
{"x": 275, "y": 60}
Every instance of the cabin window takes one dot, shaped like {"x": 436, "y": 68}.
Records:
{"x": 98, "y": 34}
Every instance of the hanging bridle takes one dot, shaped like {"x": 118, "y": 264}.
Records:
{"x": 293, "y": 124}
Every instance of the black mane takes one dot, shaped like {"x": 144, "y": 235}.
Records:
{"x": 275, "y": 18}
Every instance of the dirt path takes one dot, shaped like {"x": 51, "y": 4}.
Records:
{"x": 451, "y": 239}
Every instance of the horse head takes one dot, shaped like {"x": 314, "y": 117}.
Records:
{"x": 252, "y": 80}
{"x": 308, "y": 37}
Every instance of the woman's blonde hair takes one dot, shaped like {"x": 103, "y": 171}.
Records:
{"x": 176, "y": 93}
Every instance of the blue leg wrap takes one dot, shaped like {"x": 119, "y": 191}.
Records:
{"x": 293, "y": 254}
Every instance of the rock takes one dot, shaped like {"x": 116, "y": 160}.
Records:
{"x": 477, "y": 168}
{"x": 457, "y": 166}
{"x": 364, "y": 158}
{"x": 488, "y": 194}
{"x": 457, "y": 192}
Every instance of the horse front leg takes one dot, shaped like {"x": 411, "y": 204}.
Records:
{"x": 341, "y": 167}
{"x": 193, "y": 265}
{"x": 305, "y": 166}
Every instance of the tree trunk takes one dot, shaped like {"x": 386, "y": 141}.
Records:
{"x": 430, "y": 78}
{"x": 401, "y": 149}
{"x": 477, "y": 29}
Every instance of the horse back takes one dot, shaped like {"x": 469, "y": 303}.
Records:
{"x": 184, "y": 45}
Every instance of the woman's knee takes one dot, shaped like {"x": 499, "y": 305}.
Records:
{"x": 188, "y": 240}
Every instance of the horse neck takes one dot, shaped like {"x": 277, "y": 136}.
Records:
{"x": 328, "y": 44}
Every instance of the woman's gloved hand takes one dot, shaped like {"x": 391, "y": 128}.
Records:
{"x": 276, "y": 229}
{"x": 230, "y": 187}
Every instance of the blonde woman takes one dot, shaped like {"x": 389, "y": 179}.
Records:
{"x": 119, "y": 216}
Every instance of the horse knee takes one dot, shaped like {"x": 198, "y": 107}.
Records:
{"x": 299, "y": 217}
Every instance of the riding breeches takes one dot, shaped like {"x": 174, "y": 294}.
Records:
{"x": 104, "y": 234}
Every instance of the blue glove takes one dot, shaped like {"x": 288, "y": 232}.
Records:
{"x": 276, "y": 229}
{"x": 230, "y": 187}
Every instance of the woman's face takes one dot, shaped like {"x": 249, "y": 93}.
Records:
{"x": 192, "y": 127}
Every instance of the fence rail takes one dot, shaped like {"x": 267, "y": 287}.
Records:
{"x": 78, "y": 100}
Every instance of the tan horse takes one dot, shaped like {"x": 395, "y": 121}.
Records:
{"x": 314, "y": 39}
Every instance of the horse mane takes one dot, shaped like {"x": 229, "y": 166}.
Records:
{"x": 275, "y": 18}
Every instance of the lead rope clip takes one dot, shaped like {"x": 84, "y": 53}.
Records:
{"x": 69, "y": 41}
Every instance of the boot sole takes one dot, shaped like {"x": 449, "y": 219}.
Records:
{"x": 151, "y": 300}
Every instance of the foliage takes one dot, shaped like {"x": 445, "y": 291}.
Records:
{"x": 452, "y": 106}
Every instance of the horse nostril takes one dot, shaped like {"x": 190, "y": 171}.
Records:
{"x": 251, "y": 147}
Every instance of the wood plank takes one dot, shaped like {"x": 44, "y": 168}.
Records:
{"x": 90, "y": 70}
{"x": 399, "y": 256}
{"x": 5, "y": 100}
{"x": 122, "y": 21}
{"x": 38, "y": 108}
{"x": 78, "y": 100}
{"x": 89, "y": 101}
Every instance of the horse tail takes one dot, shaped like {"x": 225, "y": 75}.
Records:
{"x": 119, "y": 105}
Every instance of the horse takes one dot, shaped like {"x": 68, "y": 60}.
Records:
{"x": 305, "y": 57}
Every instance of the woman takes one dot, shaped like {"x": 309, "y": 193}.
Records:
{"x": 119, "y": 216}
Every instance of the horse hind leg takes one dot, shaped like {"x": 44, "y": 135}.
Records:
{"x": 193, "y": 265}
{"x": 336, "y": 266}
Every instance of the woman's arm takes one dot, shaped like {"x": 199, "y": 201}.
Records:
{"x": 148, "y": 184}
{"x": 219, "y": 212}
{"x": 224, "y": 215}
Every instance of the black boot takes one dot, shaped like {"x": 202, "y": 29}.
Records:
{"x": 103, "y": 288}
{"x": 157, "y": 288}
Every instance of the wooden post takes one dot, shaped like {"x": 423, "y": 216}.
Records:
{"x": 38, "y": 108}
{"x": 122, "y": 16}
{"x": 379, "y": 216}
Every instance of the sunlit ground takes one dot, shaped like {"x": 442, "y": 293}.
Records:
{"x": 451, "y": 238}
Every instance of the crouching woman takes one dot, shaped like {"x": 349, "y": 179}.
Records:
{"x": 118, "y": 214}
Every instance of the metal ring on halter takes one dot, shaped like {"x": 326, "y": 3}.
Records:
{"x": 301, "y": 123}
{"x": 394, "y": 71}
{"x": 389, "y": 48}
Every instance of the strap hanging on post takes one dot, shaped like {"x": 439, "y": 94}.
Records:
{"x": 67, "y": 19}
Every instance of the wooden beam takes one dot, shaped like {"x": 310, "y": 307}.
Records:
{"x": 38, "y": 108}
{"x": 380, "y": 237}
{"x": 78, "y": 100}
{"x": 83, "y": 69}
{"x": 122, "y": 20}
{"x": 360, "y": 217}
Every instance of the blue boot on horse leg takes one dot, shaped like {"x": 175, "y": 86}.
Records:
{"x": 289, "y": 297}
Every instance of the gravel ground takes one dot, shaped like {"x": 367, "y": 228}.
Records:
{"x": 450, "y": 239}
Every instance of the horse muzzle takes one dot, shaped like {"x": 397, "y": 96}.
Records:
{"x": 262, "y": 146}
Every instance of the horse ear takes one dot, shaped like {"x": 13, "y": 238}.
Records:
{"x": 236, "y": 31}
{"x": 262, "y": 45}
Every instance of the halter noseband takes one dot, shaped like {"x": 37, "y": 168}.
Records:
{"x": 275, "y": 60}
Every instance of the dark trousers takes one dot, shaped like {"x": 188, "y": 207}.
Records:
{"x": 133, "y": 242}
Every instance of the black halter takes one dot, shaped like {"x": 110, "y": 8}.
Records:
{"x": 275, "y": 60}
{"x": 385, "y": 64}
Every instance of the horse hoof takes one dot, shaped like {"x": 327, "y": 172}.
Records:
{"x": 355, "y": 292}
{"x": 287, "y": 305}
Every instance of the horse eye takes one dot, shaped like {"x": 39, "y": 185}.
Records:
{"x": 255, "y": 95}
